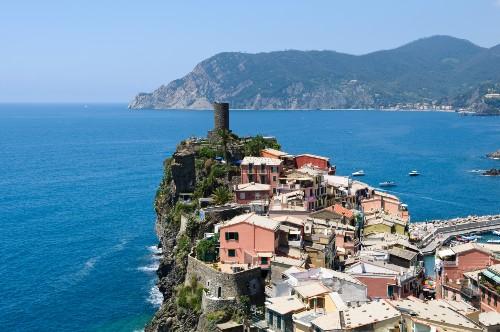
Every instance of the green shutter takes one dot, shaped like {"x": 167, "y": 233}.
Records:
{"x": 227, "y": 235}
{"x": 236, "y": 236}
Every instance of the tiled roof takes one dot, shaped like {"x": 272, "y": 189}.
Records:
{"x": 275, "y": 152}
{"x": 369, "y": 313}
{"x": 312, "y": 289}
{"x": 254, "y": 219}
{"x": 252, "y": 186}
{"x": 261, "y": 161}
{"x": 343, "y": 211}
{"x": 284, "y": 304}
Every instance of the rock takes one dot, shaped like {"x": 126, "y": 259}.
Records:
{"x": 494, "y": 155}
{"x": 492, "y": 172}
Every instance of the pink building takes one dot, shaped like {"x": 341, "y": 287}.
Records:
{"x": 261, "y": 170}
{"x": 322, "y": 163}
{"x": 249, "y": 239}
{"x": 249, "y": 192}
{"x": 379, "y": 200}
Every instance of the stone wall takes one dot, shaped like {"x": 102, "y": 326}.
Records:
{"x": 227, "y": 286}
{"x": 183, "y": 171}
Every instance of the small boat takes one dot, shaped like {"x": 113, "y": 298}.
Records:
{"x": 496, "y": 233}
{"x": 470, "y": 238}
{"x": 359, "y": 173}
{"x": 414, "y": 173}
{"x": 493, "y": 241}
{"x": 387, "y": 184}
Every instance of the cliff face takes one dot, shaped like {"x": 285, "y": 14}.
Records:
{"x": 439, "y": 69}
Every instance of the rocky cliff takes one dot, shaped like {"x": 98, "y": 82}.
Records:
{"x": 440, "y": 70}
{"x": 193, "y": 169}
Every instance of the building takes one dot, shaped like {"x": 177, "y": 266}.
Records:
{"x": 249, "y": 239}
{"x": 322, "y": 163}
{"x": 489, "y": 284}
{"x": 385, "y": 280}
{"x": 273, "y": 153}
{"x": 376, "y": 316}
{"x": 454, "y": 262}
{"x": 434, "y": 315}
{"x": 382, "y": 201}
{"x": 261, "y": 170}
{"x": 246, "y": 193}
{"x": 380, "y": 222}
{"x": 279, "y": 311}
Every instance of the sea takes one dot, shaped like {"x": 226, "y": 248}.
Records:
{"x": 77, "y": 183}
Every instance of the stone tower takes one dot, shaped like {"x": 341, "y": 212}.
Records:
{"x": 221, "y": 116}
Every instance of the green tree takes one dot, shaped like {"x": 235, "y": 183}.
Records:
{"x": 221, "y": 195}
{"x": 258, "y": 143}
{"x": 206, "y": 249}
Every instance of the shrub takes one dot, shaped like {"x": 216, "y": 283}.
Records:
{"x": 258, "y": 143}
{"x": 221, "y": 195}
{"x": 189, "y": 296}
{"x": 206, "y": 249}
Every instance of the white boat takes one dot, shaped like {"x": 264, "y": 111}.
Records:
{"x": 387, "y": 184}
{"x": 414, "y": 173}
{"x": 496, "y": 233}
{"x": 493, "y": 241}
{"x": 359, "y": 173}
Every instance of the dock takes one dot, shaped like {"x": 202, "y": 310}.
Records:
{"x": 433, "y": 240}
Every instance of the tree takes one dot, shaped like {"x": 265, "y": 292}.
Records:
{"x": 221, "y": 195}
{"x": 206, "y": 249}
{"x": 258, "y": 143}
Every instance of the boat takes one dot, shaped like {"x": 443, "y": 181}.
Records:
{"x": 493, "y": 241}
{"x": 414, "y": 173}
{"x": 387, "y": 184}
{"x": 496, "y": 233}
{"x": 470, "y": 238}
{"x": 359, "y": 173}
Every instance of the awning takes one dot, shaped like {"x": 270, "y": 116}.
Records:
{"x": 446, "y": 253}
{"x": 492, "y": 276}
{"x": 264, "y": 254}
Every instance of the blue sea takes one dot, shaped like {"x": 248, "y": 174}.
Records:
{"x": 77, "y": 184}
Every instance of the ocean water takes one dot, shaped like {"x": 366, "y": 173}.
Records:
{"x": 77, "y": 186}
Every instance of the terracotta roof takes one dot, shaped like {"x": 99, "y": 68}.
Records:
{"x": 274, "y": 152}
{"x": 312, "y": 156}
{"x": 337, "y": 208}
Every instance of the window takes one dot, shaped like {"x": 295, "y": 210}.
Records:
{"x": 264, "y": 260}
{"x": 231, "y": 252}
{"x": 263, "y": 168}
{"x": 270, "y": 318}
{"x": 232, "y": 236}
{"x": 242, "y": 195}
{"x": 274, "y": 169}
{"x": 250, "y": 177}
{"x": 257, "y": 195}
{"x": 278, "y": 322}
{"x": 274, "y": 178}
{"x": 263, "y": 179}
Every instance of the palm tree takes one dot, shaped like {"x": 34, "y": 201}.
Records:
{"x": 221, "y": 195}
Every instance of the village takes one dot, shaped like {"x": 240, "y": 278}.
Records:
{"x": 311, "y": 250}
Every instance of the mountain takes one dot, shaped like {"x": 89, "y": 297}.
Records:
{"x": 439, "y": 69}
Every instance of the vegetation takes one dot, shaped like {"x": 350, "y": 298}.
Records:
{"x": 257, "y": 143}
{"x": 189, "y": 296}
{"x": 206, "y": 249}
{"x": 183, "y": 249}
{"x": 221, "y": 195}
{"x": 438, "y": 68}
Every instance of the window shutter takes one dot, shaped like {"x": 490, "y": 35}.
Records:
{"x": 236, "y": 236}
{"x": 227, "y": 235}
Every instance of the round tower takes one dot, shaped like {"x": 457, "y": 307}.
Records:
{"x": 221, "y": 116}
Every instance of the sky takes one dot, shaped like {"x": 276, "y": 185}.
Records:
{"x": 107, "y": 51}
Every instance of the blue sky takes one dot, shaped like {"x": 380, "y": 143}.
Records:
{"x": 107, "y": 51}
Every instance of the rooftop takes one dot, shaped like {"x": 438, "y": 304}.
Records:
{"x": 284, "y": 304}
{"x": 252, "y": 186}
{"x": 261, "y": 161}
{"x": 402, "y": 253}
{"x": 369, "y": 313}
{"x": 312, "y": 156}
{"x": 275, "y": 152}
{"x": 311, "y": 290}
{"x": 330, "y": 321}
{"x": 306, "y": 317}
{"x": 254, "y": 219}
{"x": 435, "y": 310}
{"x": 491, "y": 318}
